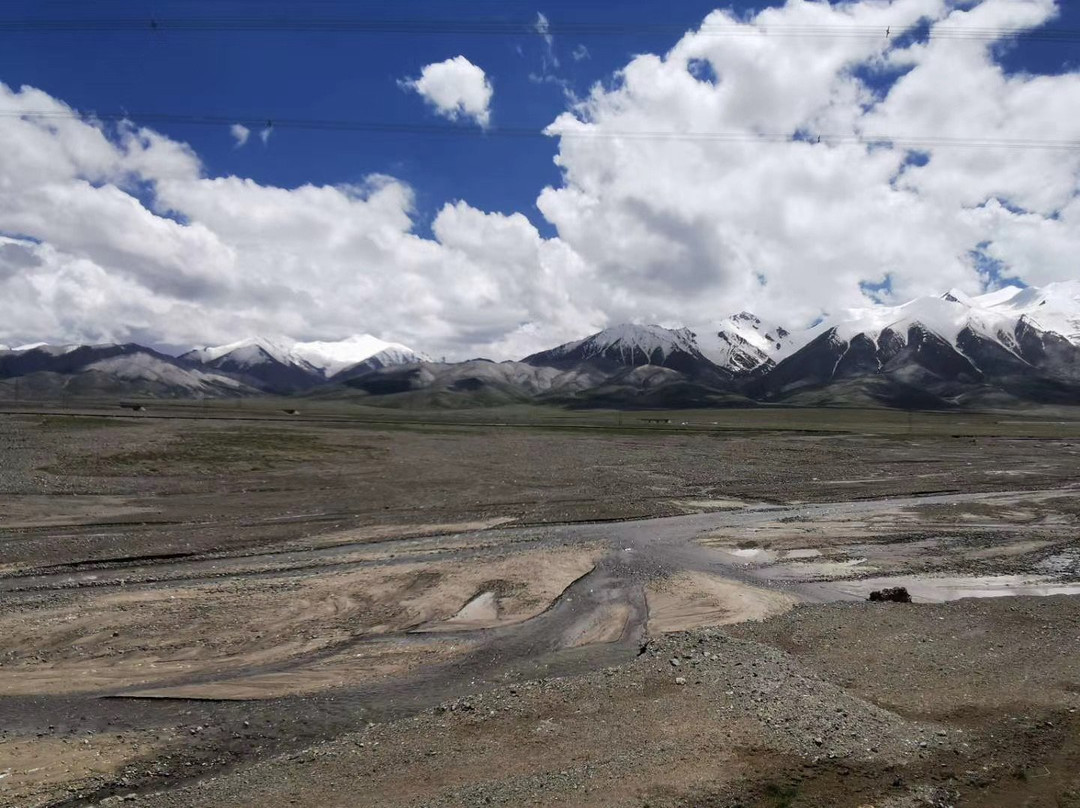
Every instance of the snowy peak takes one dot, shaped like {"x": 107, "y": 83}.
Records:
{"x": 737, "y": 344}
{"x": 744, "y": 342}
{"x": 333, "y": 357}
{"x": 995, "y": 315}
{"x": 1054, "y": 307}
{"x": 53, "y": 350}
{"x": 956, "y": 296}
{"x": 246, "y": 352}
{"x": 627, "y": 340}
{"x": 1023, "y": 343}
{"x": 284, "y": 365}
{"x": 628, "y": 345}
{"x": 631, "y": 346}
{"x": 946, "y": 317}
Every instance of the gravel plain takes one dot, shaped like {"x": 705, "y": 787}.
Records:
{"x": 205, "y": 610}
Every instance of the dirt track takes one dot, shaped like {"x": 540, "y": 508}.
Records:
{"x": 180, "y": 604}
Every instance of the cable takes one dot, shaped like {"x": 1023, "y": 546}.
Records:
{"x": 384, "y": 127}
{"x": 492, "y": 27}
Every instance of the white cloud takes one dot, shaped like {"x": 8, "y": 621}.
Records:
{"x": 234, "y": 257}
{"x": 543, "y": 28}
{"x": 240, "y": 134}
{"x": 580, "y": 52}
{"x": 456, "y": 88}
{"x": 679, "y": 229}
{"x": 670, "y": 229}
{"x": 265, "y": 132}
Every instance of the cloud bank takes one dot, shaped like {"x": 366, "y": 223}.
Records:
{"x": 113, "y": 233}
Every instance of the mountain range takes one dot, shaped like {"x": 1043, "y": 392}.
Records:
{"x": 1009, "y": 346}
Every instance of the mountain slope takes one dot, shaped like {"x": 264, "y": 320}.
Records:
{"x": 477, "y": 382}
{"x": 1052, "y": 308}
{"x": 126, "y": 369}
{"x": 268, "y": 364}
{"x": 285, "y": 366}
{"x": 950, "y": 348}
{"x": 1012, "y": 345}
{"x": 332, "y": 358}
{"x": 628, "y": 346}
{"x": 744, "y": 343}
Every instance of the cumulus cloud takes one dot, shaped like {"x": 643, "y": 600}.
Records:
{"x": 240, "y": 134}
{"x": 455, "y": 88}
{"x": 700, "y": 226}
{"x": 658, "y": 219}
{"x": 215, "y": 258}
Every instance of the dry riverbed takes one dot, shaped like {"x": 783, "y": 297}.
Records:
{"x": 203, "y": 612}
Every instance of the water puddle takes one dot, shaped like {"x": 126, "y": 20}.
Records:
{"x": 711, "y": 504}
{"x": 806, "y": 571}
{"x": 759, "y": 556}
{"x": 480, "y": 612}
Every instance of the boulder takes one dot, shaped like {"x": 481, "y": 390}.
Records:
{"x": 895, "y": 594}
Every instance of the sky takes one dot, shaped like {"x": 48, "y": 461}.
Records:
{"x": 576, "y": 168}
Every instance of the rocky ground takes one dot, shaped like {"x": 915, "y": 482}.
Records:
{"x": 214, "y": 611}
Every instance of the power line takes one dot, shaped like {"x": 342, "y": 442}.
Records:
{"x": 494, "y": 27}
{"x": 914, "y": 142}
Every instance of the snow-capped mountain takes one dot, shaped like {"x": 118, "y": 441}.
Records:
{"x": 734, "y": 346}
{"x": 245, "y": 353}
{"x": 284, "y": 366}
{"x": 269, "y": 364}
{"x": 1053, "y": 308}
{"x": 946, "y": 347}
{"x": 743, "y": 343}
{"x": 1006, "y": 346}
{"x": 45, "y": 347}
{"x": 334, "y": 357}
{"x": 628, "y": 345}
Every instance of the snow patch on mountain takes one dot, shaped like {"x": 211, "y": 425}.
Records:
{"x": 1054, "y": 307}
{"x": 627, "y": 339}
{"x": 320, "y": 358}
{"x": 247, "y": 352}
{"x": 944, "y": 316}
{"x": 144, "y": 367}
{"x": 52, "y": 350}
{"x": 994, "y": 316}
{"x": 743, "y": 342}
{"x": 333, "y": 357}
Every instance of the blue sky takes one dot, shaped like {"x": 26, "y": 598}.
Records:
{"x": 647, "y": 231}
{"x": 353, "y": 76}
{"x": 339, "y": 76}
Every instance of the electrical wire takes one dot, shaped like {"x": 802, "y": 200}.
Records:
{"x": 913, "y": 142}
{"x": 494, "y": 27}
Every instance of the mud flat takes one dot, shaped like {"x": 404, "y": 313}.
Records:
{"x": 690, "y": 600}
{"x": 199, "y": 611}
